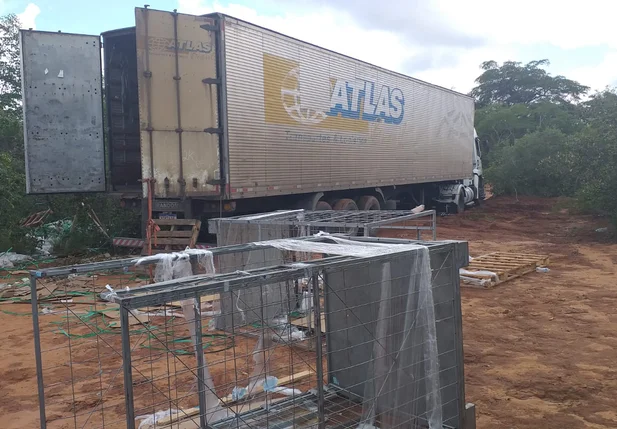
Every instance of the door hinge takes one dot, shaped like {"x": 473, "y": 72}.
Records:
{"x": 211, "y": 81}
{"x": 213, "y": 130}
{"x": 209, "y": 27}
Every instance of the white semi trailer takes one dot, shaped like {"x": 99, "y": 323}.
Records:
{"x": 221, "y": 115}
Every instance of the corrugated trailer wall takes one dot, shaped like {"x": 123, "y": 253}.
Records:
{"x": 304, "y": 119}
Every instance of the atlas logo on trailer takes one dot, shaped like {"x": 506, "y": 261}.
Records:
{"x": 363, "y": 100}
{"x": 293, "y": 95}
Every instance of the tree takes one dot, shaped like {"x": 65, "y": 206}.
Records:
{"x": 595, "y": 147}
{"x": 539, "y": 163}
{"x": 514, "y": 83}
{"x": 10, "y": 82}
{"x": 499, "y": 124}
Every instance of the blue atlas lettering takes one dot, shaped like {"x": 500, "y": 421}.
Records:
{"x": 364, "y": 100}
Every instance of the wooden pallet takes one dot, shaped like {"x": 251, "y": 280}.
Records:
{"x": 489, "y": 270}
{"x": 175, "y": 234}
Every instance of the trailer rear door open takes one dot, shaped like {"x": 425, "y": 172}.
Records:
{"x": 63, "y": 112}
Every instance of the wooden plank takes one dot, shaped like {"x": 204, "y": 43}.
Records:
{"x": 175, "y": 234}
{"x": 501, "y": 264}
{"x": 228, "y": 400}
{"x": 304, "y": 321}
{"x": 168, "y": 222}
{"x": 168, "y": 246}
{"x": 504, "y": 259}
{"x": 478, "y": 276}
{"x": 507, "y": 266}
{"x": 196, "y": 229}
{"x": 186, "y": 419}
{"x": 282, "y": 381}
{"x": 172, "y": 241}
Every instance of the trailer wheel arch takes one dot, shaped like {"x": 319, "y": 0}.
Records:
{"x": 368, "y": 202}
{"x": 311, "y": 202}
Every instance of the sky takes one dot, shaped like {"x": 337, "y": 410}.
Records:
{"x": 439, "y": 41}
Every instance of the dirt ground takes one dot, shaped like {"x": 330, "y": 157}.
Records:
{"x": 539, "y": 350}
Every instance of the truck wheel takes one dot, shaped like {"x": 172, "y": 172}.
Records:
{"x": 368, "y": 202}
{"x": 348, "y": 205}
{"x": 323, "y": 205}
{"x": 345, "y": 204}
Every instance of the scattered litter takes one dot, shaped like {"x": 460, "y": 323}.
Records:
{"x": 418, "y": 209}
{"x": 35, "y": 219}
{"x": 50, "y": 233}
{"x": 306, "y": 304}
{"x": 238, "y": 393}
{"x": 151, "y": 420}
{"x": 270, "y": 383}
{"x": 542, "y": 269}
{"x": 602, "y": 230}
{"x": 109, "y": 296}
{"x": 9, "y": 259}
{"x": 287, "y": 391}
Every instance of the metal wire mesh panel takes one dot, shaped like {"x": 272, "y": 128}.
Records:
{"x": 335, "y": 333}
{"x": 302, "y": 223}
{"x": 78, "y": 343}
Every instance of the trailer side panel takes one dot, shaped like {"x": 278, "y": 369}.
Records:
{"x": 304, "y": 119}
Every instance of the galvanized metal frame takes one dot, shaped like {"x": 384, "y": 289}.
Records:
{"x": 196, "y": 286}
{"x": 23, "y": 71}
{"x": 89, "y": 267}
{"x": 369, "y": 220}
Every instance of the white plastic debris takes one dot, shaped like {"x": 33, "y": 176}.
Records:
{"x": 306, "y": 304}
{"x": 287, "y": 391}
{"x": 9, "y": 259}
{"x": 237, "y": 393}
{"x": 542, "y": 269}
{"x": 150, "y": 420}
{"x": 270, "y": 383}
{"x": 109, "y": 296}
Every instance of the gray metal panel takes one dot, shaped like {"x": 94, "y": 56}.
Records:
{"x": 63, "y": 112}
{"x": 282, "y": 139}
{"x": 348, "y": 337}
{"x": 258, "y": 303}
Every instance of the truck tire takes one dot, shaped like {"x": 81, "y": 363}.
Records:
{"x": 322, "y": 205}
{"x": 345, "y": 204}
{"x": 368, "y": 202}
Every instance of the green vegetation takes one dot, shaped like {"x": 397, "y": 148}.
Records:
{"x": 547, "y": 136}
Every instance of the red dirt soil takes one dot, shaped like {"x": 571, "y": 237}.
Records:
{"x": 539, "y": 350}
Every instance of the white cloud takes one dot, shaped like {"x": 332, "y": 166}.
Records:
{"x": 439, "y": 41}
{"x": 598, "y": 76}
{"x": 29, "y": 15}
{"x": 567, "y": 25}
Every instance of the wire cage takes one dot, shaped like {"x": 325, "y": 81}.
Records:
{"x": 302, "y": 223}
{"x": 383, "y": 315}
